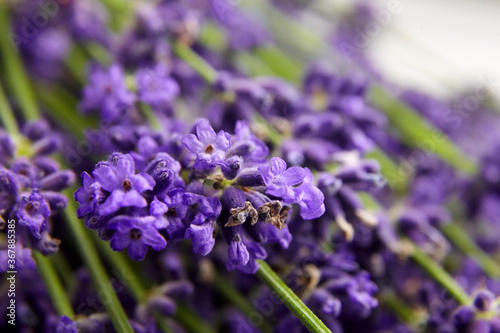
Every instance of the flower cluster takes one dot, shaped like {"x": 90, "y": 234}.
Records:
{"x": 30, "y": 186}
{"x": 230, "y": 186}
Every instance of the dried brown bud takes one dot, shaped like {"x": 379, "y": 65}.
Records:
{"x": 241, "y": 214}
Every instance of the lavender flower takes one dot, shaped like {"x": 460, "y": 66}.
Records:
{"x": 208, "y": 146}
{"x": 293, "y": 185}
{"x": 136, "y": 233}
{"x": 156, "y": 88}
{"x": 107, "y": 93}
{"x": 125, "y": 187}
{"x": 33, "y": 213}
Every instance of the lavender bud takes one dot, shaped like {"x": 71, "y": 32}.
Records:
{"x": 250, "y": 178}
{"x": 58, "y": 180}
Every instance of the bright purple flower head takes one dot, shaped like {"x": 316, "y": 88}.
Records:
{"x": 89, "y": 196}
{"x": 33, "y": 213}
{"x": 238, "y": 253}
{"x": 293, "y": 185}
{"x": 124, "y": 186}
{"x": 208, "y": 146}
{"x": 280, "y": 182}
{"x": 136, "y": 233}
{"x": 107, "y": 93}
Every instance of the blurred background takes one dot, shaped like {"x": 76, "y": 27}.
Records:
{"x": 435, "y": 45}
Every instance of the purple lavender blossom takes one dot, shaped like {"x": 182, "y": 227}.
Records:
{"x": 293, "y": 185}
{"x": 156, "y": 88}
{"x": 136, "y": 233}
{"x": 89, "y": 196}
{"x": 24, "y": 259}
{"x": 125, "y": 187}
{"x": 33, "y": 213}
{"x": 208, "y": 146}
{"x": 202, "y": 236}
{"x": 107, "y": 93}
{"x": 202, "y": 226}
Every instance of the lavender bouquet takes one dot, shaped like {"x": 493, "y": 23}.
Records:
{"x": 226, "y": 166}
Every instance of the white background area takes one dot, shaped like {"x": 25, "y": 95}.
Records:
{"x": 439, "y": 46}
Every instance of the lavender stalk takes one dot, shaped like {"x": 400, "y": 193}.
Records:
{"x": 57, "y": 293}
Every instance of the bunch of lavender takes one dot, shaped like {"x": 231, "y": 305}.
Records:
{"x": 229, "y": 186}
{"x": 291, "y": 190}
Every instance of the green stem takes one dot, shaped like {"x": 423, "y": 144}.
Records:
{"x": 462, "y": 241}
{"x": 6, "y": 114}
{"x": 395, "y": 180}
{"x": 190, "y": 321}
{"x": 418, "y": 133}
{"x": 290, "y": 299}
{"x": 120, "y": 262}
{"x": 54, "y": 287}
{"x": 63, "y": 268}
{"x": 76, "y": 62}
{"x": 61, "y": 107}
{"x": 196, "y": 62}
{"x": 226, "y": 289}
{"x": 404, "y": 312}
{"x": 162, "y": 324}
{"x": 252, "y": 66}
{"x": 121, "y": 13}
{"x": 95, "y": 267}
{"x": 150, "y": 116}
{"x": 280, "y": 63}
{"x": 440, "y": 275}
{"x": 13, "y": 67}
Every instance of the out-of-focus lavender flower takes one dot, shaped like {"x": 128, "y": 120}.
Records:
{"x": 30, "y": 182}
{"x": 156, "y": 88}
{"x": 244, "y": 31}
{"x": 23, "y": 259}
{"x": 107, "y": 93}
{"x": 87, "y": 21}
{"x": 66, "y": 325}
